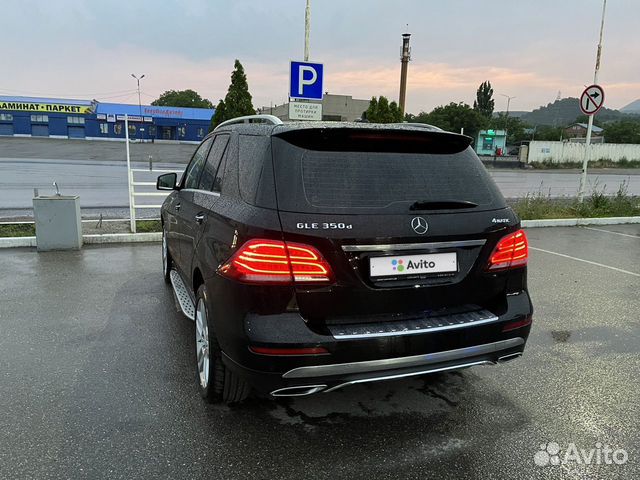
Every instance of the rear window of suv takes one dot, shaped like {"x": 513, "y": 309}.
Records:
{"x": 312, "y": 177}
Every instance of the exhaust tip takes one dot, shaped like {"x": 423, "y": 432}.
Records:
{"x": 508, "y": 358}
{"x": 299, "y": 391}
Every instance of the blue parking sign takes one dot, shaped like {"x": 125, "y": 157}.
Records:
{"x": 306, "y": 81}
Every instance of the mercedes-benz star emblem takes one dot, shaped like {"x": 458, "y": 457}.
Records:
{"x": 419, "y": 225}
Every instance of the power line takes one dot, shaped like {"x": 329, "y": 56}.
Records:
{"x": 128, "y": 94}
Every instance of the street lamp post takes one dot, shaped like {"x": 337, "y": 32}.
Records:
{"x": 506, "y": 119}
{"x": 139, "y": 101}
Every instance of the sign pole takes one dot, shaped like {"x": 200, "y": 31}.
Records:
{"x": 132, "y": 208}
{"x": 307, "y": 27}
{"x": 587, "y": 143}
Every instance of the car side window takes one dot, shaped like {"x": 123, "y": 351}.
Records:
{"x": 217, "y": 183}
{"x": 192, "y": 174}
{"x": 213, "y": 162}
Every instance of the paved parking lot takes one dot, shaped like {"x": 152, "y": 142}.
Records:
{"x": 97, "y": 381}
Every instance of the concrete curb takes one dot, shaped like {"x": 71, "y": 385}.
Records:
{"x": 573, "y": 222}
{"x": 14, "y": 242}
{"x": 122, "y": 238}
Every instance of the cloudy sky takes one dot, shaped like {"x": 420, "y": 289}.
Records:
{"x": 530, "y": 49}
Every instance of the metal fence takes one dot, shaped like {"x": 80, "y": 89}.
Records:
{"x": 133, "y": 183}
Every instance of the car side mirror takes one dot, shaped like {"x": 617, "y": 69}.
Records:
{"x": 167, "y": 181}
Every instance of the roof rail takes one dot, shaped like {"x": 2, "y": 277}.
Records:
{"x": 426, "y": 126}
{"x": 273, "y": 120}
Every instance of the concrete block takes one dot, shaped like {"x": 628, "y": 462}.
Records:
{"x": 58, "y": 222}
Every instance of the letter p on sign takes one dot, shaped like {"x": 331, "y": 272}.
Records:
{"x": 306, "y": 81}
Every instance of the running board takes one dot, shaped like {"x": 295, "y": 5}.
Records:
{"x": 184, "y": 299}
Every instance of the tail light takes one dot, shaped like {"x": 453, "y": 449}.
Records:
{"x": 276, "y": 262}
{"x": 512, "y": 251}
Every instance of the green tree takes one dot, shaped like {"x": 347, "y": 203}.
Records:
{"x": 182, "y": 98}
{"x": 547, "y": 132}
{"x": 454, "y": 117}
{"x": 238, "y": 101}
{"x": 371, "y": 114}
{"x": 219, "y": 116}
{"x": 381, "y": 111}
{"x": 624, "y": 131}
{"x": 395, "y": 113}
{"x": 514, "y": 126}
{"x": 484, "y": 103}
{"x": 581, "y": 119}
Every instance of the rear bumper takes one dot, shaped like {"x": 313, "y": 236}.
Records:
{"x": 306, "y": 380}
{"x": 374, "y": 357}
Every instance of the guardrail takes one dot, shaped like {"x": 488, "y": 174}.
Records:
{"x": 133, "y": 194}
{"x": 133, "y": 183}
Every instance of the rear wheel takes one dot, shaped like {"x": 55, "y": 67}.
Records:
{"x": 167, "y": 261}
{"x": 215, "y": 381}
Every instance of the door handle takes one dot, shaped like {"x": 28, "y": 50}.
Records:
{"x": 199, "y": 218}
{"x": 177, "y": 206}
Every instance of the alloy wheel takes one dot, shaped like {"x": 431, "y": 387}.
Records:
{"x": 202, "y": 343}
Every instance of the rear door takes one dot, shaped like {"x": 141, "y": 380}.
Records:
{"x": 404, "y": 218}
{"x": 201, "y": 204}
{"x": 183, "y": 205}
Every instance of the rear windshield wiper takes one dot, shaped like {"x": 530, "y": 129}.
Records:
{"x": 442, "y": 205}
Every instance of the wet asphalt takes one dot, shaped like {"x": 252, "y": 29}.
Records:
{"x": 97, "y": 380}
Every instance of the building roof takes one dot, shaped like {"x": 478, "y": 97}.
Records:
{"x": 65, "y": 101}
{"x": 152, "y": 111}
{"x": 121, "y": 108}
{"x": 594, "y": 128}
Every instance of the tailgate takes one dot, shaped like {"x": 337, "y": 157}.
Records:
{"x": 405, "y": 219}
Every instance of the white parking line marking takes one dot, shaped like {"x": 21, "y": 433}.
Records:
{"x": 609, "y": 231}
{"x": 586, "y": 261}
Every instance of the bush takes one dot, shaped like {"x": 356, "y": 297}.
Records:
{"x": 540, "y": 205}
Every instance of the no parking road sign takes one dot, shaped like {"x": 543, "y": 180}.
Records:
{"x": 592, "y": 99}
{"x": 306, "y": 81}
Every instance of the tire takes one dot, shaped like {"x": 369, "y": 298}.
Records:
{"x": 215, "y": 382}
{"x": 167, "y": 261}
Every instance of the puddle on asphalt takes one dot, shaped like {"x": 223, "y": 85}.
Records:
{"x": 433, "y": 395}
{"x": 600, "y": 340}
{"x": 560, "y": 336}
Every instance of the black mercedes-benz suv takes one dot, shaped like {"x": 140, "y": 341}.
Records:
{"x": 313, "y": 256}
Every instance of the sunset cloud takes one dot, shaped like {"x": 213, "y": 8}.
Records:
{"x": 93, "y": 48}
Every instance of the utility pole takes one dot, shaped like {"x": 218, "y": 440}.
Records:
{"x": 139, "y": 101}
{"x": 307, "y": 28}
{"x": 405, "y": 57}
{"x": 506, "y": 118}
{"x": 587, "y": 143}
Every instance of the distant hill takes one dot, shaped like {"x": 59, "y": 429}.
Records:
{"x": 633, "y": 107}
{"x": 564, "y": 112}
{"x": 512, "y": 113}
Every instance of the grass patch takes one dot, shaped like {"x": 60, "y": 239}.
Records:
{"x": 18, "y": 230}
{"x": 601, "y": 163}
{"x": 145, "y": 226}
{"x": 597, "y": 205}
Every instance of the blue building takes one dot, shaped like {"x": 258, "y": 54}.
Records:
{"x": 90, "y": 119}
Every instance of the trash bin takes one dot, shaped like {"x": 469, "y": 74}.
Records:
{"x": 58, "y": 222}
